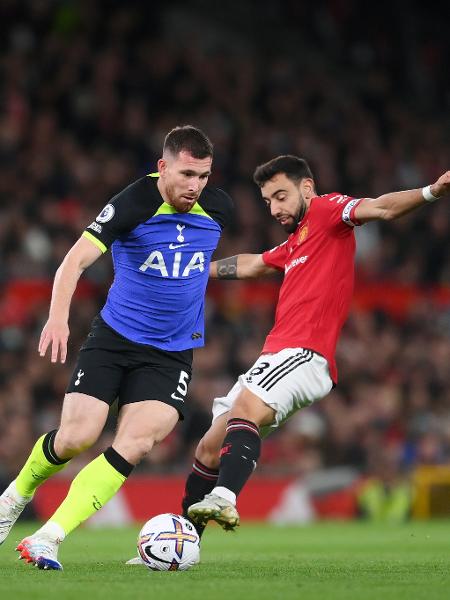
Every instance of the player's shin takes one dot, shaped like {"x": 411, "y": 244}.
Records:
{"x": 200, "y": 482}
{"x": 41, "y": 464}
{"x": 238, "y": 458}
{"x": 91, "y": 489}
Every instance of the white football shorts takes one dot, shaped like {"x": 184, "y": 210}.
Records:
{"x": 287, "y": 381}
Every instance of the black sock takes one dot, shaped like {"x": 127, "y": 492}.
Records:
{"x": 200, "y": 482}
{"x": 117, "y": 461}
{"x": 240, "y": 453}
{"x": 48, "y": 447}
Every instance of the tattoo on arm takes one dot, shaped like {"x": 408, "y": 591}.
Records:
{"x": 227, "y": 268}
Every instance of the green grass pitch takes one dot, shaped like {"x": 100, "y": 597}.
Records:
{"x": 321, "y": 561}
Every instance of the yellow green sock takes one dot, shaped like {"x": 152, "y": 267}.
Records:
{"x": 91, "y": 489}
{"x": 41, "y": 464}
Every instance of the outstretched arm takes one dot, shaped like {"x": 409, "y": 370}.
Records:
{"x": 241, "y": 266}
{"x": 56, "y": 331}
{"x": 396, "y": 204}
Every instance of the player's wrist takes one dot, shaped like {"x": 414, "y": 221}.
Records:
{"x": 428, "y": 195}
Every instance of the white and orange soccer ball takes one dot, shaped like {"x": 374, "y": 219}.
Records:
{"x": 169, "y": 542}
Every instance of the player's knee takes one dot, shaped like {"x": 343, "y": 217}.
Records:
{"x": 134, "y": 449}
{"x": 242, "y": 409}
{"x": 70, "y": 442}
{"x": 207, "y": 452}
{"x": 251, "y": 408}
{"x": 145, "y": 446}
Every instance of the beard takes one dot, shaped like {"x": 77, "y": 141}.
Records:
{"x": 177, "y": 200}
{"x": 292, "y": 225}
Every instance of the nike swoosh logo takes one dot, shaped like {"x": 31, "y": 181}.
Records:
{"x": 174, "y": 246}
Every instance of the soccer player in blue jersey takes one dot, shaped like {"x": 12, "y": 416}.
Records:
{"x": 162, "y": 230}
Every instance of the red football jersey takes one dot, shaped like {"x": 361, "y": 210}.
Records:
{"x": 318, "y": 264}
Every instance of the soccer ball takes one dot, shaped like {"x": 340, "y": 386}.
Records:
{"x": 169, "y": 542}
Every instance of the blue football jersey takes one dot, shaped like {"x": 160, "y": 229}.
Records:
{"x": 161, "y": 263}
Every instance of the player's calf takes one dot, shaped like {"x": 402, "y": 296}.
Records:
{"x": 238, "y": 458}
{"x": 200, "y": 482}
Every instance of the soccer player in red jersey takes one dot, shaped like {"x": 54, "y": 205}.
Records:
{"x": 297, "y": 364}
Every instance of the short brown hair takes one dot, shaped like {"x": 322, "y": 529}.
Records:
{"x": 190, "y": 139}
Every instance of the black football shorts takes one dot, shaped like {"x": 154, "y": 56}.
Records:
{"x": 110, "y": 366}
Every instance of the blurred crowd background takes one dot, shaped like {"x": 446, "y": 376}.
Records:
{"x": 89, "y": 90}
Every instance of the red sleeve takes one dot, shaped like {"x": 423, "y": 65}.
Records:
{"x": 348, "y": 213}
{"x": 338, "y": 210}
{"x": 276, "y": 257}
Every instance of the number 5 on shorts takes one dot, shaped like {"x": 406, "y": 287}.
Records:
{"x": 182, "y": 387}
